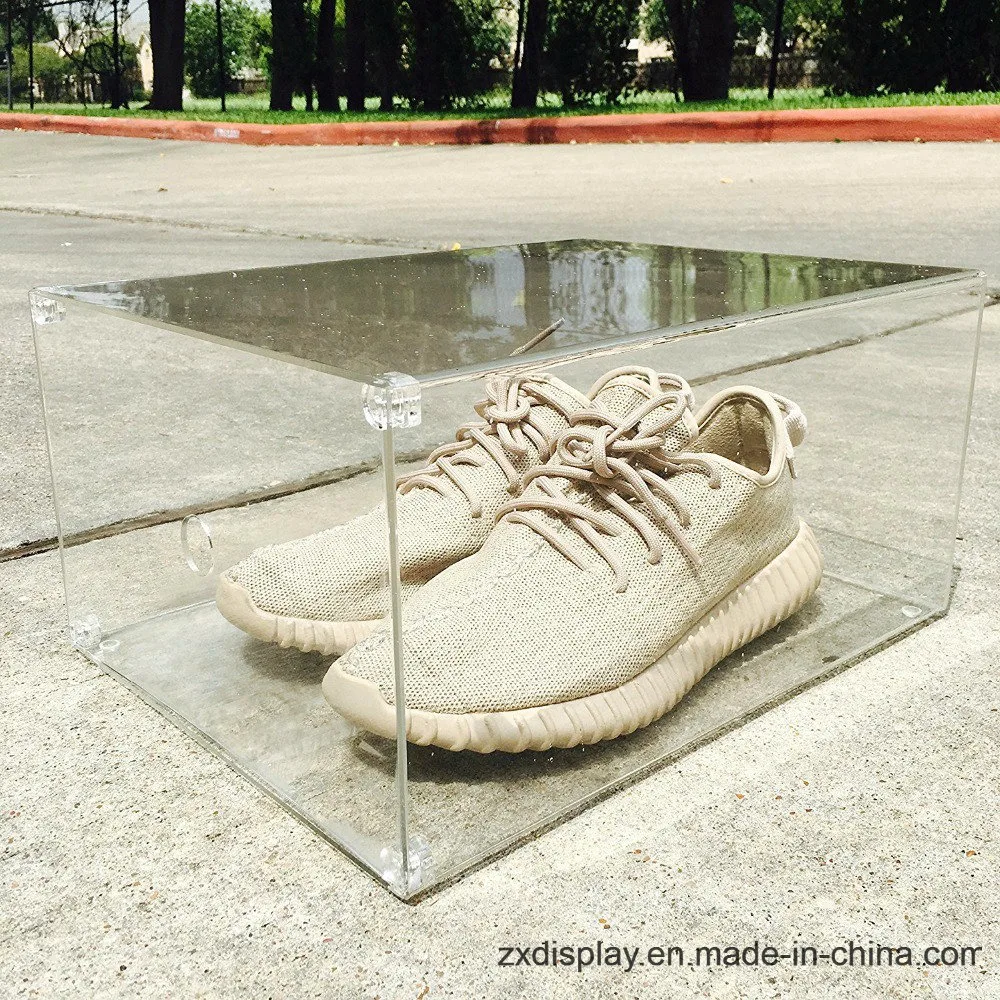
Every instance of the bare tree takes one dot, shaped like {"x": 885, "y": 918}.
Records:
{"x": 90, "y": 39}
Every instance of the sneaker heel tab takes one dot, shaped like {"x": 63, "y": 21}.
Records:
{"x": 796, "y": 425}
{"x": 790, "y": 425}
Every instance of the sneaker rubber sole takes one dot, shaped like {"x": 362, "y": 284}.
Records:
{"x": 328, "y": 638}
{"x": 769, "y": 597}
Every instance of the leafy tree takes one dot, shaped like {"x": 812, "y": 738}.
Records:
{"x": 386, "y": 48}
{"x": 291, "y": 55}
{"x": 451, "y": 45}
{"x": 886, "y": 46}
{"x": 755, "y": 18}
{"x": 50, "y": 71}
{"x": 43, "y": 30}
{"x": 586, "y": 48}
{"x": 865, "y": 48}
{"x": 327, "y": 64}
{"x": 355, "y": 32}
{"x": 262, "y": 42}
{"x": 702, "y": 34}
{"x": 241, "y": 36}
{"x": 972, "y": 45}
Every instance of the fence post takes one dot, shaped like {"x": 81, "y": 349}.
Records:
{"x": 221, "y": 50}
{"x": 776, "y": 43}
{"x": 10, "y": 55}
{"x": 116, "y": 59}
{"x": 31, "y": 54}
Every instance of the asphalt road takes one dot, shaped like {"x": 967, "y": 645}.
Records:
{"x": 136, "y": 864}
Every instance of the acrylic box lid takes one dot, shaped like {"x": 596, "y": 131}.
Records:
{"x": 437, "y": 316}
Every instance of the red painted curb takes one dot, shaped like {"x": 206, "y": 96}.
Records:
{"x": 973, "y": 123}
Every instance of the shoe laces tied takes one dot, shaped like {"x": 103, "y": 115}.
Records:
{"x": 628, "y": 468}
{"x": 510, "y": 425}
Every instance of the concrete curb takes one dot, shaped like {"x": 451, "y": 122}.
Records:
{"x": 973, "y": 123}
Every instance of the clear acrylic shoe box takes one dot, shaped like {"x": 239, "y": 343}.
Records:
{"x": 193, "y": 420}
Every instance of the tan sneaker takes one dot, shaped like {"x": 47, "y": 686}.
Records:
{"x": 327, "y": 591}
{"x": 651, "y": 545}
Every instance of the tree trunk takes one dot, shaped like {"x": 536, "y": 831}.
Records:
{"x": 354, "y": 43}
{"x": 166, "y": 39}
{"x": 428, "y": 87}
{"x": 287, "y": 45}
{"x": 326, "y": 57}
{"x": 704, "y": 33}
{"x": 384, "y": 45}
{"x": 715, "y": 30}
{"x": 519, "y": 37}
{"x": 528, "y": 72}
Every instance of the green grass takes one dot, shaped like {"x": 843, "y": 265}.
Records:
{"x": 253, "y": 108}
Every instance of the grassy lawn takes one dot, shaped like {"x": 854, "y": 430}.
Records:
{"x": 253, "y": 108}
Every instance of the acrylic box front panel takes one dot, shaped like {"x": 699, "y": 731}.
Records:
{"x": 170, "y": 466}
{"x": 885, "y": 385}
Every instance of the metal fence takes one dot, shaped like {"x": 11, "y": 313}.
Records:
{"x": 796, "y": 70}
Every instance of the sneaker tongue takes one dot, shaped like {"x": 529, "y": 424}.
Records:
{"x": 621, "y": 392}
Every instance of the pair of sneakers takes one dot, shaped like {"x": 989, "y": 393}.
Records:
{"x": 571, "y": 565}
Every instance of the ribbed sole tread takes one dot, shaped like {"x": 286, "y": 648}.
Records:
{"x": 769, "y": 597}
{"x": 328, "y": 638}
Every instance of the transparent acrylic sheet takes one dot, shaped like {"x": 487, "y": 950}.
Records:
{"x": 886, "y": 388}
{"x": 252, "y": 451}
{"x": 170, "y": 466}
{"x": 434, "y": 315}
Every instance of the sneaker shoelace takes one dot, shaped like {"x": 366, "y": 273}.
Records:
{"x": 510, "y": 423}
{"x": 628, "y": 469}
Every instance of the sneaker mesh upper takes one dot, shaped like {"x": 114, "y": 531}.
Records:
{"x": 519, "y": 625}
{"x": 341, "y": 574}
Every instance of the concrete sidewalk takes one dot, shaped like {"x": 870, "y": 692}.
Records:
{"x": 922, "y": 203}
{"x": 136, "y": 864}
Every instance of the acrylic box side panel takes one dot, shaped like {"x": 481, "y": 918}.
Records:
{"x": 173, "y": 461}
{"x": 879, "y": 474}
{"x": 884, "y": 382}
{"x": 147, "y": 427}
